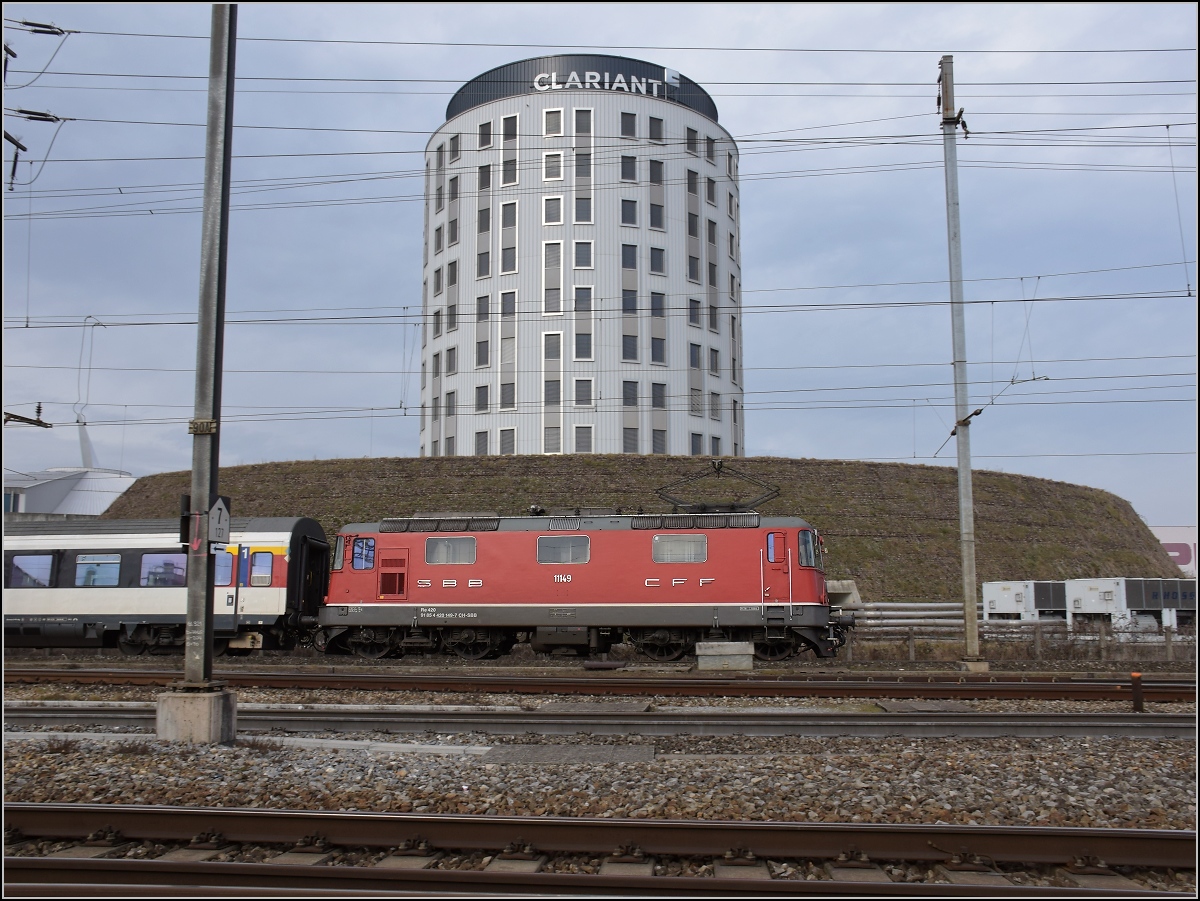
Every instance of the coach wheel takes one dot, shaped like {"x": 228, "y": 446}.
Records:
{"x": 220, "y": 646}
{"x": 131, "y": 648}
{"x": 775, "y": 649}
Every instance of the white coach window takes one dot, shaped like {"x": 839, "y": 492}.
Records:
{"x": 680, "y": 548}
{"x": 449, "y": 550}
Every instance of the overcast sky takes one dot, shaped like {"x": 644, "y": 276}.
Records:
{"x": 1078, "y": 187}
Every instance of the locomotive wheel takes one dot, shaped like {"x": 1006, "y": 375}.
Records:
{"x": 470, "y": 644}
{"x": 777, "y": 649}
{"x": 666, "y": 652}
{"x": 371, "y": 650}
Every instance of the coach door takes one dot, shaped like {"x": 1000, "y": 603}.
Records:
{"x": 393, "y": 574}
{"x": 776, "y": 569}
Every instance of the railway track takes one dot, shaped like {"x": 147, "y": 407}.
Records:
{"x": 619, "y": 719}
{"x": 916, "y": 686}
{"x": 65, "y": 849}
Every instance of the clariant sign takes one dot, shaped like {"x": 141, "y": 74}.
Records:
{"x": 548, "y": 81}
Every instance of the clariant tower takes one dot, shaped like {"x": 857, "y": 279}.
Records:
{"x": 581, "y": 276}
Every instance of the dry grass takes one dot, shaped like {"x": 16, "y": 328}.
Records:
{"x": 891, "y": 527}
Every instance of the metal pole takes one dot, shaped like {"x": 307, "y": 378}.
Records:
{"x": 966, "y": 505}
{"x": 210, "y": 345}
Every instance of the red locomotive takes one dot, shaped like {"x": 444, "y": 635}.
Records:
{"x": 477, "y": 584}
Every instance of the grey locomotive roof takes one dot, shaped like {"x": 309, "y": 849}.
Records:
{"x": 475, "y": 522}
{"x": 516, "y": 78}
{"x": 148, "y": 526}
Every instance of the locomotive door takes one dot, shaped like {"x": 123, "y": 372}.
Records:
{"x": 776, "y": 569}
{"x": 393, "y": 574}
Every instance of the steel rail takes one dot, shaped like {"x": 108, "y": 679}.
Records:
{"x": 669, "y": 721}
{"x": 37, "y": 877}
{"x": 884, "y": 686}
{"x": 766, "y": 840}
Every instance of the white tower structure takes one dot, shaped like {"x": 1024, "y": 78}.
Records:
{"x": 581, "y": 271}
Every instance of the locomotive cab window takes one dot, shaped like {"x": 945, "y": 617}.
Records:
{"x": 163, "y": 570}
{"x": 776, "y": 547}
{"x": 449, "y": 550}
{"x": 97, "y": 570}
{"x": 339, "y": 552}
{"x": 30, "y": 571}
{"x": 261, "y": 563}
{"x": 363, "y": 555}
{"x": 680, "y": 548}
{"x": 564, "y": 549}
{"x": 808, "y": 550}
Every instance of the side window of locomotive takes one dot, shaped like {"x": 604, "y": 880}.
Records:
{"x": 680, "y": 548}
{"x": 339, "y": 552}
{"x": 808, "y": 553}
{"x": 163, "y": 570}
{"x": 97, "y": 570}
{"x": 564, "y": 549}
{"x": 30, "y": 571}
{"x": 450, "y": 550}
{"x": 261, "y": 563}
{"x": 776, "y": 548}
{"x": 363, "y": 553}
{"x": 223, "y": 574}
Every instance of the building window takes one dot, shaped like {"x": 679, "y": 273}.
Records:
{"x": 712, "y": 233}
{"x": 658, "y": 350}
{"x": 552, "y": 211}
{"x": 656, "y": 172}
{"x": 658, "y": 305}
{"x": 437, "y": 240}
{"x": 628, "y": 125}
{"x": 583, "y": 165}
{"x": 658, "y": 217}
{"x": 437, "y": 323}
{"x": 583, "y": 209}
{"x": 482, "y": 353}
{"x": 716, "y": 446}
{"x": 437, "y": 412}
{"x": 508, "y": 304}
{"x": 658, "y": 395}
{"x": 713, "y": 320}
{"x": 629, "y": 348}
{"x": 712, "y": 274}
{"x": 483, "y": 264}
{"x": 483, "y": 221}
{"x": 732, "y": 212}
{"x": 485, "y": 178}
{"x": 510, "y": 128}
{"x": 656, "y": 129}
{"x": 553, "y": 123}
{"x": 714, "y": 405}
{"x": 697, "y": 444}
{"x": 552, "y": 392}
{"x": 439, "y": 199}
{"x": 482, "y": 308}
{"x": 583, "y": 121}
{"x": 485, "y": 135}
{"x": 508, "y": 441}
{"x": 508, "y": 259}
{"x": 693, "y": 225}
{"x": 481, "y": 444}
{"x": 508, "y": 395}
{"x": 629, "y": 304}
{"x": 693, "y": 182}
{"x": 552, "y": 167}
{"x": 451, "y": 409}
{"x": 583, "y": 392}
{"x": 629, "y": 212}
{"x": 693, "y": 311}
{"x": 583, "y": 345}
{"x": 693, "y": 269}
{"x": 694, "y": 356}
{"x": 629, "y": 168}
{"x": 449, "y": 445}
{"x": 693, "y": 141}
{"x": 508, "y": 215}
{"x": 711, "y": 192}
{"x": 658, "y": 441}
{"x": 508, "y": 172}
{"x": 628, "y": 256}
{"x": 583, "y": 254}
{"x": 658, "y": 260}
{"x": 440, "y": 157}
{"x": 629, "y": 394}
{"x": 710, "y": 149}
{"x": 629, "y": 441}
{"x": 451, "y": 360}
{"x": 551, "y": 442}
{"x": 454, "y": 189}
{"x": 583, "y": 439}
{"x": 732, "y": 246}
